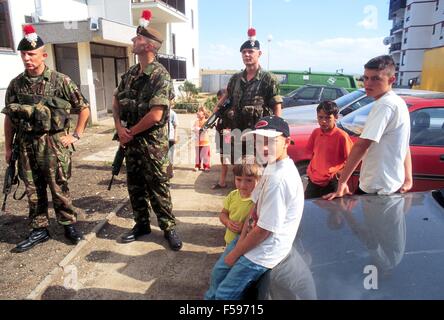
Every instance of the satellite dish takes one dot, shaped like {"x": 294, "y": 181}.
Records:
{"x": 387, "y": 41}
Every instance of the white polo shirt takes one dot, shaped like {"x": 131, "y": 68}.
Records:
{"x": 388, "y": 125}
{"x": 279, "y": 196}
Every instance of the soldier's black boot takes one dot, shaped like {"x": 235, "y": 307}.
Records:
{"x": 35, "y": 237}
{"x": 72, "y": 234}
{"x": 137, "y": 231}
{"x": 173, "y": 239}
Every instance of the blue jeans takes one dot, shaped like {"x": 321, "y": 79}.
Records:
{"x": 230, "y": 283}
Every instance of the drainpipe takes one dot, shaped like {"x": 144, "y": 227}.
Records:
{"x": 38, "y": 11}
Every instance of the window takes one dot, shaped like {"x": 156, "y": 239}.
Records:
{"x": 357, "y": 105}
{"x": 402, "y": 60}
{"x": 437, "y": 5}
{"x": 308, "y": 93}
{"x": 329, "y": 94}
{"x": 173, "y": 44}
{"x": 5, "y": 27}
{"x": 192, "y": 56}
{"x": 434, "y": 29}
{"x": 427, "y": 127}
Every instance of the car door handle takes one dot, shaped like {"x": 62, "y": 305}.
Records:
{"x": 442, "y": 157}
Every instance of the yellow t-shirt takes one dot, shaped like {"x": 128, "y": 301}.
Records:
{"x": 238, "y": 209}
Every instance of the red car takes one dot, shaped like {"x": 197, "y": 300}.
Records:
{"x": 426, "y": 140}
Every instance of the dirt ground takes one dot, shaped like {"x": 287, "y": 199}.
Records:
{"x": 105, "y": 268}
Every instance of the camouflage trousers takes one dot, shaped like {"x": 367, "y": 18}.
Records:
{"x": 43, "y": 162}
{"x": 148, "y": 184}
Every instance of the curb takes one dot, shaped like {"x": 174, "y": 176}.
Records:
{"x": 44, "y": 284}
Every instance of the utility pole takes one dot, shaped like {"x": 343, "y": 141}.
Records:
{"x": 250, "y": 14}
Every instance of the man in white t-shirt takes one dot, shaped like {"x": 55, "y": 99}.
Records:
{"x": 383, "y": 145}
{"x": 268, "y": 234}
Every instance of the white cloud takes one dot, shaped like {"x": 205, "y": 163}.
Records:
{"x": 327, "y": 55}
{"x": 220, "y": 56}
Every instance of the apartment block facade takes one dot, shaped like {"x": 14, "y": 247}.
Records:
{"x": 417, "y": 26}
{"x": 90, "y": 40}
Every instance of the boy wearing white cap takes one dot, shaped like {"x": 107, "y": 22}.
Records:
{"x": 268, "y": 236}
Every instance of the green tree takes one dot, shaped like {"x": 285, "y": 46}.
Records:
{"x": 189, "y": 91}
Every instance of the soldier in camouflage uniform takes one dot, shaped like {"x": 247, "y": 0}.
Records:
{"x": 38, "y": 106}
{"x": 254, "y": 93}
{"x": 141, "y": 112}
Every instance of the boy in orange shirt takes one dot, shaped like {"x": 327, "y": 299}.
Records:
{"x": 330, "y": 147}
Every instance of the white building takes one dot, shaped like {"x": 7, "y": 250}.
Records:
{"x": 417, "y": 26}
{"x": 90, "y": 40}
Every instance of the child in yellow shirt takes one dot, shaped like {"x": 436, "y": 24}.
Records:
{"x": 238, "y": 203}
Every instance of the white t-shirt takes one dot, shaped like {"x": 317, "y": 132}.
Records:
{"x": 173, "y": 122}
{"x": 279, "y": 196}
{"x": 388, "y": 125}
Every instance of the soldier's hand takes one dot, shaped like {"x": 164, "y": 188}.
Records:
{"x": 125, "y": 135}
{"x": 68, "y": 140}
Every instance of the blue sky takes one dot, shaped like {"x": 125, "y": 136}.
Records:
{"x": 325, "y": 35}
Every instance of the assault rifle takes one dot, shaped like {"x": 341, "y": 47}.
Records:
{"x": 117, "y": 163}
{"x": 211, "y": 122}
{"x": 11, "y": 178}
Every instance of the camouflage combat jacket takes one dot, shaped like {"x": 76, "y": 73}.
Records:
{"x": 138, "y": 93}
{"x": 252, "y": 99}
{"x": 43, "y": 104}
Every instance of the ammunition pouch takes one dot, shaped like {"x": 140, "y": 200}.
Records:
{"x": 39, "y": 114}
{"x": 22, "y": 116}
{"x": 60, "y": 113}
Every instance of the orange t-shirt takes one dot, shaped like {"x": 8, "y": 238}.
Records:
{"x": 330, "y": 152}
{"x": 202, "y": 138}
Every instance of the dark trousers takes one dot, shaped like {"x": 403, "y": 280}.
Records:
{"x": 148, "y": 185}
{"x": 316, "y": 191}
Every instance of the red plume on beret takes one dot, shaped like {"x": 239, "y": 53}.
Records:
{"x": 146, "y": 14}
{"x": 144, "y": 20}
{"x": 251, "y": 32}
{"x": 28, "y": 29}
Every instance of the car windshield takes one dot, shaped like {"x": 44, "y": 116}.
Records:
{"x": 292, "y": 93}
{"x": 354, "y": 122}
{"x": 349, "y": 98}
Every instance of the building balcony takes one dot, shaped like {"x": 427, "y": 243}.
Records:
{"x": 168, "y": 11}
{"x": 395, "y": 47}
{"x": 396, "y": 5}
{"x": 176, "y": 66}
{"x": 397, "y": 27}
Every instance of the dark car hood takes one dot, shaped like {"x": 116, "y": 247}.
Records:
{"x": 352, "y": 245}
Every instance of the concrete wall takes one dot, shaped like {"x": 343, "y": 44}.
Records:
{"x": 63, "y": 10}
{"x": 115, "y": 10}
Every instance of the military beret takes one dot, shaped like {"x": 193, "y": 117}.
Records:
{"x": 251, "y": 43}
{"x": 146, "y": 31}
{"x": 31, "y": 40}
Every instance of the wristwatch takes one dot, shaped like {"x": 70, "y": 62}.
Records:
{"x": 76, "y": 135}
